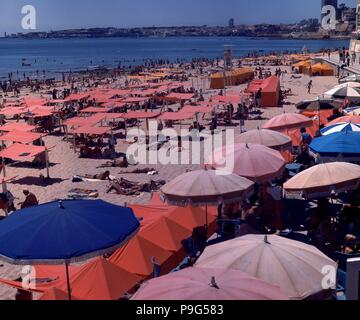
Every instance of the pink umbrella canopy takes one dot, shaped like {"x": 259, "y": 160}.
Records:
{"x": 252, "y": 161}
{"x": 194, "y": 284}
{"x": 288, "y": 120}
{"x": 267, "y": 138}
{"x": 324, "y": 180}
{"x": 210, "y": 187}
{"x": 295, "y": 267}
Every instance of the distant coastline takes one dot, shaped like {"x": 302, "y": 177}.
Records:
{"x": 306, "y": 30}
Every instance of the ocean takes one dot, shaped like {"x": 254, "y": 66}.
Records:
{"x": 63, "y": 55}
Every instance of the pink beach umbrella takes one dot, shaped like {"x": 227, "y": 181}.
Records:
{"x": 297, "y": 268}
{"x": 268, "y": 138}
{"x": 288, "y": 120}
{"x": 252, "y": 161}
{"x": 208, "y": 284}
{"x": 324, "y": 180}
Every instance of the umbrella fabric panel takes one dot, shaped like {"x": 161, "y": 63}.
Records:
{"x": 50, "y": 234}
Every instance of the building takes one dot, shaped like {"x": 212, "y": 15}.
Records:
{"x": 355, "y": 41}
{"x": 333, "y": 3}
{"x": 231, "y": 23}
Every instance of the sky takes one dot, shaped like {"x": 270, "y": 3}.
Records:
{"x": 65, "y": 14}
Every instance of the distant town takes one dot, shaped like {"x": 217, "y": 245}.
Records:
{"x": 305, "y": 29}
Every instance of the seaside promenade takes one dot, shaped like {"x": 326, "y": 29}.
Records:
{"x": 334, "y": 61}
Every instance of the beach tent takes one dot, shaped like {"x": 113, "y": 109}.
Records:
{"x": 30, "y": 102}
{"x": 93, "y": 131}
{"x": 320, "y": 69}
{"x": 177, "y": 116}
{"x": 302, "y": 65}
{"x": 178, "y": 96}
{"x": 21, "y": 137}
{"x": 77, "y": 97}
{"x": 270, "y": 95}
{"x": 235, "y": 77}
{"x": 17, "y": 126}
{"x": 141, "y": 115}
{"x": 134, "y": 100}
{"x": 94, "y": 110}
{"x": 13, "y": 111}
{"x": 198, "y": 109}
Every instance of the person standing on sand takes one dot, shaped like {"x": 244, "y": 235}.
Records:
{"x": 309, "y": 86}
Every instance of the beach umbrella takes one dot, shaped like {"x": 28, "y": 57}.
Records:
{"x": 137, "y": 255}
{"x": 351, "y": 94}
{"x": 324, "y": 180}
{"x": 295, "y": 267}
{"x": 207, "y": 187}
{"x": 286, "y": 121}
{"x": 55, "y": 294}
{"x": 350, "y": 84}
{"x": 352, "y": 78}
{"x": 252, "y": 161}
{"x": 340, "y": 127}
{"x": 319, "y": 104}
{"x": 268, "y": 138}
{"x": 346, "y": 119}
{"x": 341, "y": 145}
{"x": 62, "y": 232}
{"x": 100, "y": 280}
{"x": 353, "y": 111}
{"x": 166, "y": 234}
{"x": 194, "y": 284}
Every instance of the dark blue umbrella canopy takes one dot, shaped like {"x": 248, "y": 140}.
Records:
{"x": 345, "y": 143}
{"x": 67, "y": 231}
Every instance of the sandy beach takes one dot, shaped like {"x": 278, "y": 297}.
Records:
{"x": 65, "y": 163}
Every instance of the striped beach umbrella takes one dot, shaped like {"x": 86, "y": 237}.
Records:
{"x": 340, "y": 127}
{"x": 319, "y": 104}
{"x": 353, "y": 78}
{"x": 352, "y": 94}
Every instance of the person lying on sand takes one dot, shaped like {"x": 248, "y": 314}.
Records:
{"x": 126, "y": 187}
{"x": 141, "y": 171}
{"x": 101, "y": 176}
{"x": 123, "y": 163}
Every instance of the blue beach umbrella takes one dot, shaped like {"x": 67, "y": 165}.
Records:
{"x": 64, "y": 232}
{"x": 340, "y": 127}
{"x": 345, "y": 144}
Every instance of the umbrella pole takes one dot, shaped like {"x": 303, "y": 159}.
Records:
{"x": 68, "y": 279}
{"x": 207, "y": 220}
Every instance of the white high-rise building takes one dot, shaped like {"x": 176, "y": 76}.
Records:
{"x": 355, "y": 41}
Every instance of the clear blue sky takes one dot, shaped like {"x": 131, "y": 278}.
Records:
{"x": 62, "y": 14}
